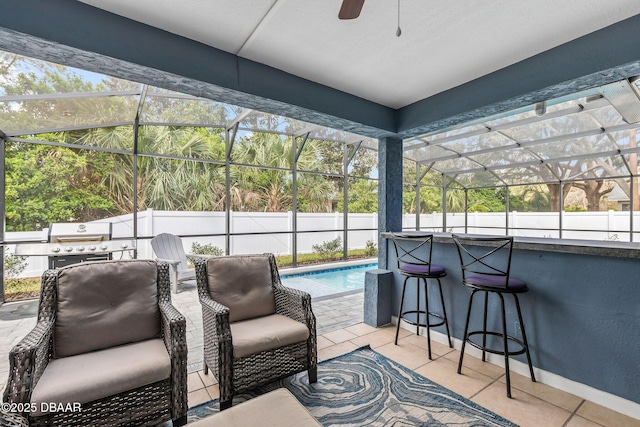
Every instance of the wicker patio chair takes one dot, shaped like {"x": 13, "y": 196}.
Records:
{"x": 255, "y": 329}
{"x": 108, "y": 338}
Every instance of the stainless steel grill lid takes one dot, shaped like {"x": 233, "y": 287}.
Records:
{"x": 79, "y": 232}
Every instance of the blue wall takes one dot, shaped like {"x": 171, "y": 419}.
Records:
{"x": 582, "y": 313}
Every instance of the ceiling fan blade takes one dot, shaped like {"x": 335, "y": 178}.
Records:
{"x": 350, "y": 9}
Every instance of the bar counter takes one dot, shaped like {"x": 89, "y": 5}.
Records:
{"x": 571, "y": 246}
{"x": 582, "y": 311}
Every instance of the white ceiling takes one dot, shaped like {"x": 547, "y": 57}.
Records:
{"x": 444, "y": 43}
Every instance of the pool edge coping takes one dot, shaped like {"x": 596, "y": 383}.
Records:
{"x": 290, "y": 271}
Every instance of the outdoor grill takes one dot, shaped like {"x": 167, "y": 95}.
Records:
{"x": 71, "y": 243}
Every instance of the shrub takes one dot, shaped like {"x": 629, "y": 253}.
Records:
{"x": 330, "y": 249}
{"x": 371, "y": 249}
{"x": 13, "y": 265}
{"x": 206, "y": 249}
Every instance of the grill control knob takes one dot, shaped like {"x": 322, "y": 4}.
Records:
{"x": 56, "y": 249}
{"x": 104, "y": 247}
{"x": 92, "y": 248}
{"x": 68, "y": 249}
{"x": 81, "y": 248}
{"x": 124, "y": 246}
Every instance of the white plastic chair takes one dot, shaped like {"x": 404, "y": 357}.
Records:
{"x": 168, "y": 248}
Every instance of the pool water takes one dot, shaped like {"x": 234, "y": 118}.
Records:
{"x": 329, "y": 282}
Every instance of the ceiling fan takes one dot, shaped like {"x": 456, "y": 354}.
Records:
{"x": 350, "y": 9}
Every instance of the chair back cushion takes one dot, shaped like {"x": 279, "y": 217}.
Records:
{"x": 105, "y": 304}
{"x": 242, "y": 283}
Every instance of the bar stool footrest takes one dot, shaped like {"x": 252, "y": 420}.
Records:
{"x": 419, "y": 312}
{"x": 493, "y": 351}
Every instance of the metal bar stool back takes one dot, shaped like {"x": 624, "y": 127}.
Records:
{"x": 486, "y": 267}
{"x": 413, "y": 255}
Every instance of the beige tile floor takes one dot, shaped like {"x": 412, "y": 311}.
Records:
{"x": 532, "y": 405}
{"x": 340, "y": 331}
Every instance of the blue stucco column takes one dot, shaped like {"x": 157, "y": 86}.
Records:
{"x": 389, "y": 192}
{"x": 377, "y": 297}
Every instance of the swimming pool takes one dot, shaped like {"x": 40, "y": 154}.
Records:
{"x": 330, "y": 281}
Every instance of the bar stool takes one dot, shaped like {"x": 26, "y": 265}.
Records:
{"x": 488, "y": 270}
{"x": 413, "y": 253}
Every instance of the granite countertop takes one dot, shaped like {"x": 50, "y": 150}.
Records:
{"x": 574, "y": 246}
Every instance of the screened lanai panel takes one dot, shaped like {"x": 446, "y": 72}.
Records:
{"x": 262, "y": 148}
{"x": 626, "y": 138}
{"x": 531, "y": 174}
{"x": 183, "y": 141}
{"x": 363, "y": 162}
{"x": 486, "y": 141}
{"x": 329, "y": 134}
{"x": 575, "y": 147}
{"x": 409, "y": 171}
{"x": 363, "y": 199}
{"x": 370, "y": 143}
{"x": 316, "y": 197}
{"x": 430, "y": 177}
{"x": 504, "y": 157}
{"x": 477, "y": 179}
{"x": 575, "y": 121}
{"x": 598, "y": 167}
{"x": 459, "y": 164}
{"x": 64, "y": 112}
{"x": 530, "y": 132}
{"x": 181, "y": 186}
{"x": 572, "y": 123}
{"x": 427, "y": 153}
{"x": 38, "y": 96}
{"x": 47, "y": 184}
{"x": 514, "y": 117}
{"x": 453, "y": 134}
{"x": 606, "y": 116}
{"x": 28, "y": 76}
{"x": 167, "y": 107}
{"x": 321, "y": 156}
{"x": 258, "y": 121}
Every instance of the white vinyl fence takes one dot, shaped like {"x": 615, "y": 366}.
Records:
{"x": 152, "y": 223}
{"x": 605, "y": 225}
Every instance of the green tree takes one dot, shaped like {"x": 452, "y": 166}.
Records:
{"x": 363, "y": 196}
{"x": 53, "y": 184}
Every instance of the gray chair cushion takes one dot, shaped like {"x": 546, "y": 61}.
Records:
{"x": 265, "y": 333}
{"x": 99, "y": 374}
{"x": 243, "y": 284}
{"x": 105, "y": 304}
{"x": 276, "y": 408}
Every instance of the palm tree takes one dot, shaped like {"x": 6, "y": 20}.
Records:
{"x": 162, "y": 183}
{"x": 271, "y": 189}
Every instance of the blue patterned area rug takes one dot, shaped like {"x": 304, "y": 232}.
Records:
{"x": 364, "y": 388}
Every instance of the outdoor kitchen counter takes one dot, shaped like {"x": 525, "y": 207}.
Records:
{"x": 571, "y": 246}
{"x": 582, "y": 311}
